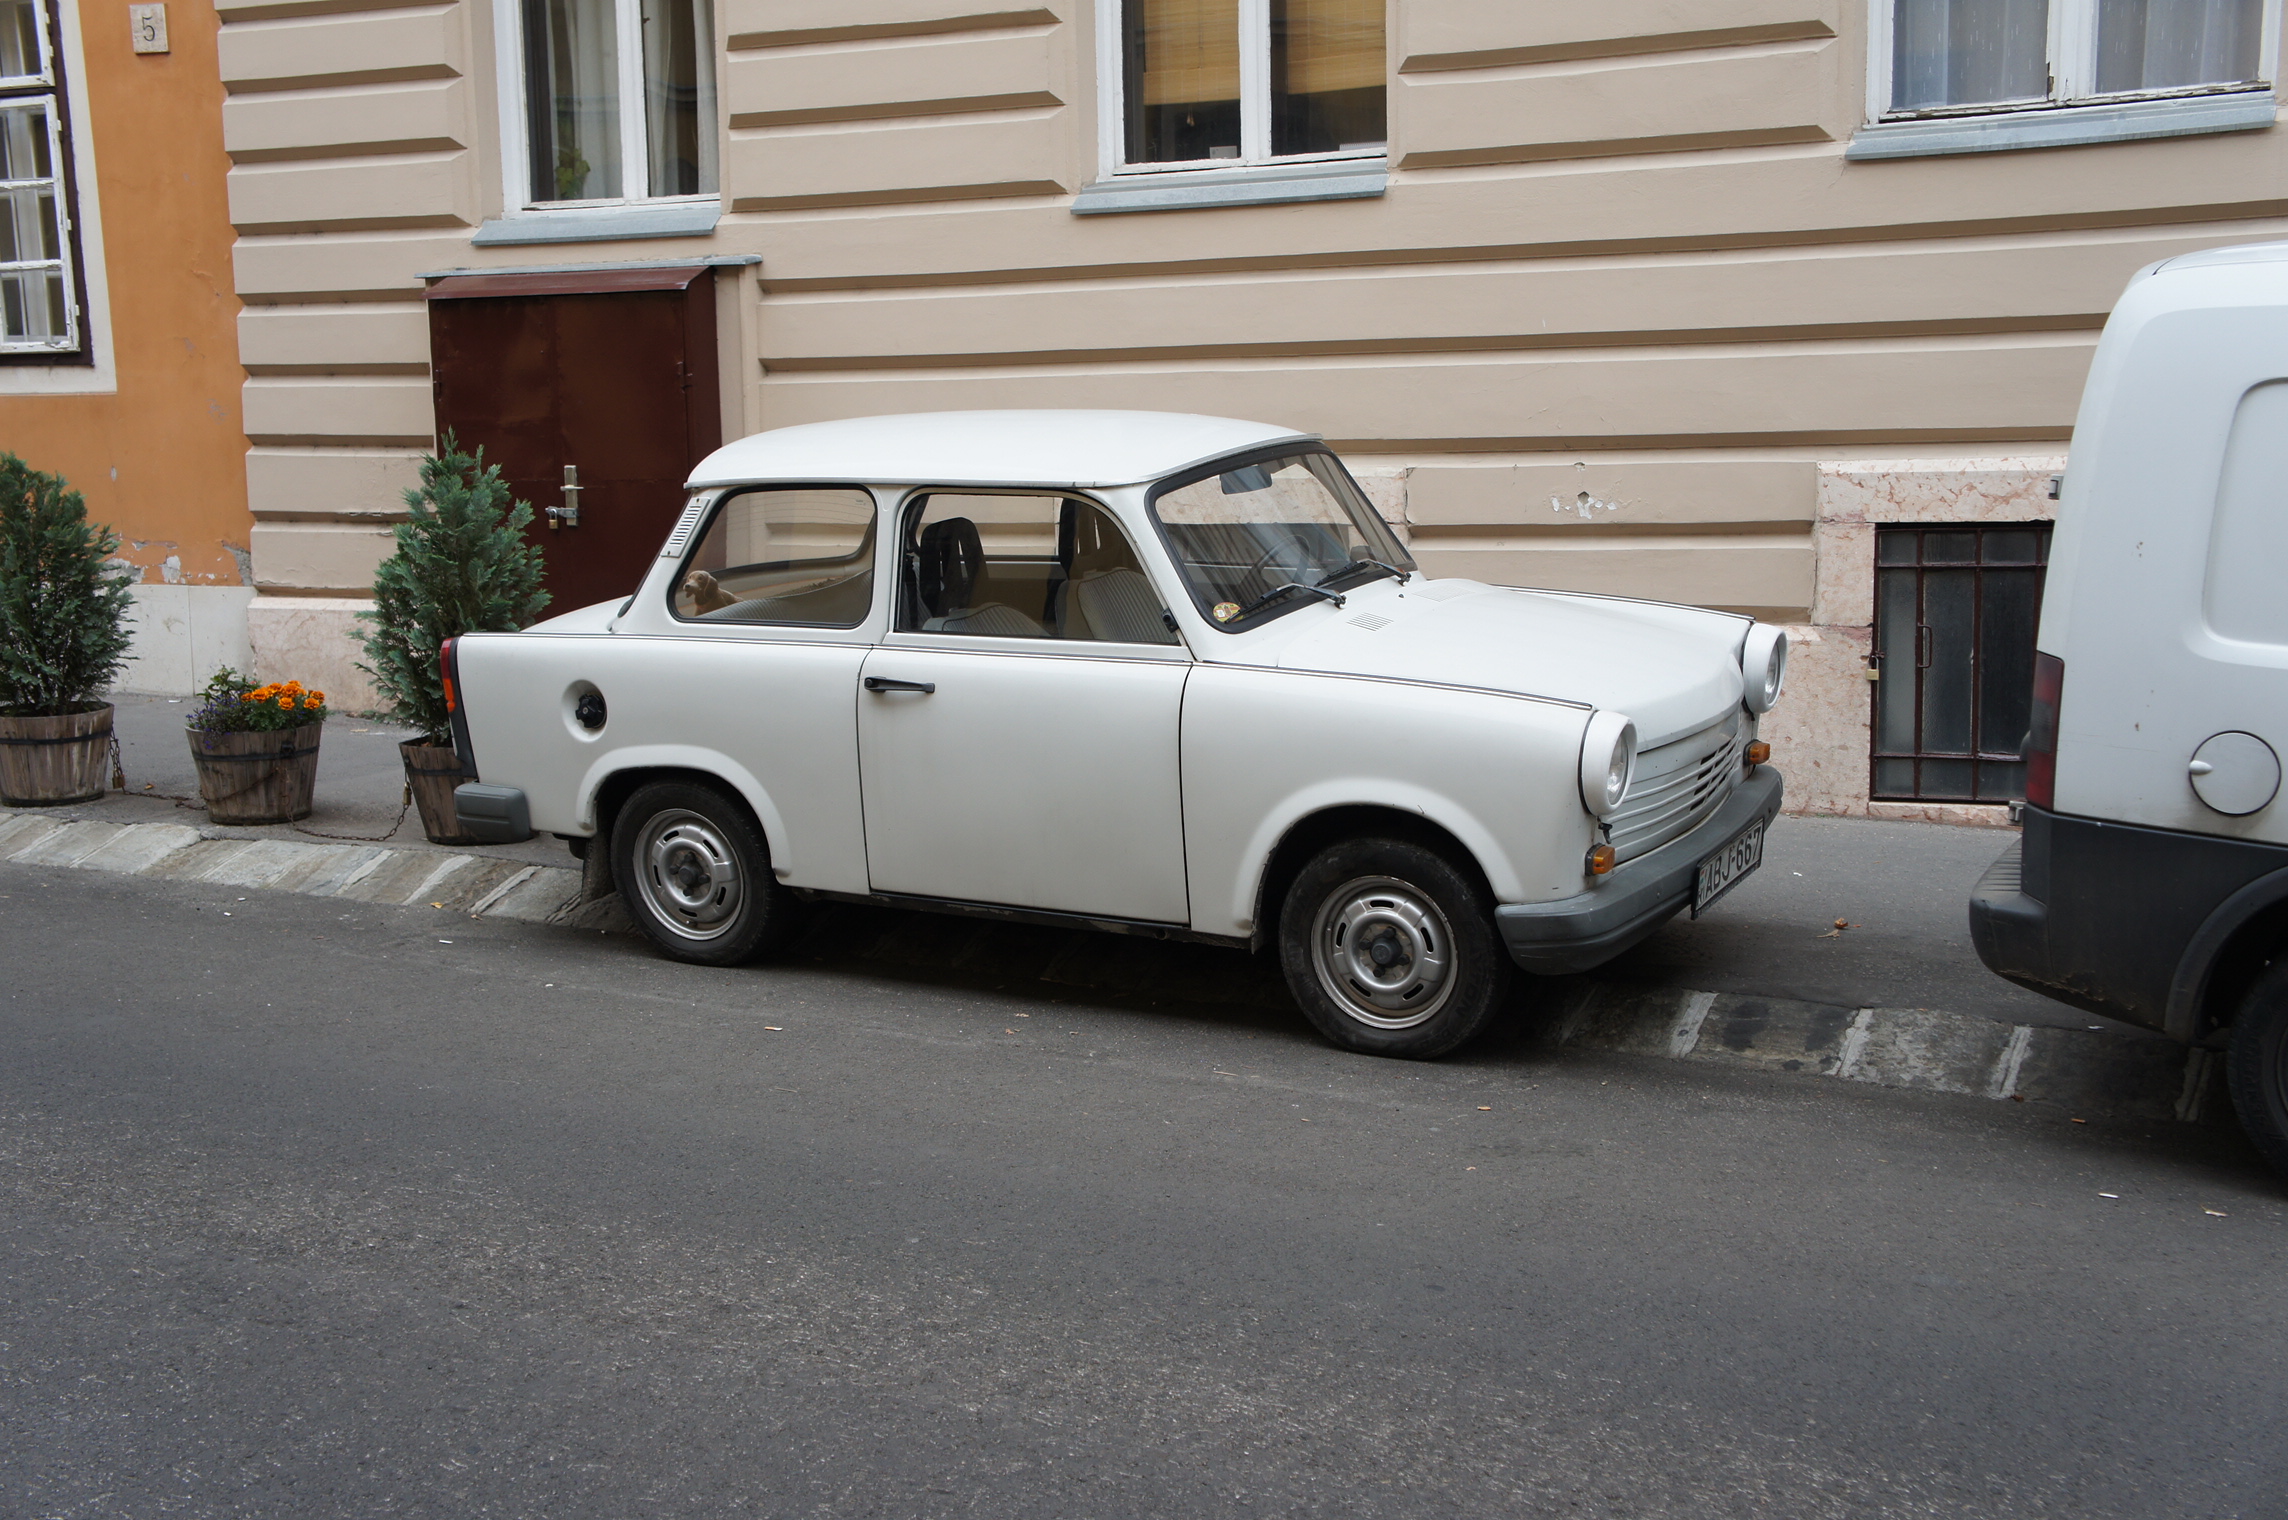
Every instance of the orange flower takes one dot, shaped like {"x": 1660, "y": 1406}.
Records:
{"x": 294, "y": 688}
{"x": 311, "y": 704}
{"x": 318, "y": 697}
{"x": 286, "y": 703}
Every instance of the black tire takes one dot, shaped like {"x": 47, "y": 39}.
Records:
{"x": 2256, "y": 1066}
{"x": 695, "y": 872}
{"x": 1446, "y": 973}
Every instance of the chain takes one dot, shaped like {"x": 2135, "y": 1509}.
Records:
{"x": 199, "y": 804}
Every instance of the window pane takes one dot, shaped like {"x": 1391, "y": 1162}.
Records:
{"x": 1894, "y": 778}
{"x": 679, "y": 95}
{"x": 1182, "y": 79}
{"x": 1897, "y": 546}
{"x": 2146, "y": 46}
{"x": 1240, "y": 535}
{"x": 1028, "y": 567}
{"x": 1895, "y": 616}
{"x": 20, "y": 39}
{"x": 572, "y": 87}
{"x": 1950, "y": 608}
{"x": 1948, "y": 780}
{"x": 28, "y": 224}
{"x": 2006, "y": 622}
{"x": 1326, "y": 75}
{"x": 787, "y": 556}
{"x": 24, "y": 143}
{"x": 33, "y": 307}
{"x": 1968, "y": 52}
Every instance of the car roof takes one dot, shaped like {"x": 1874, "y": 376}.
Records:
{"x": 1018, "y": 448}
{"x": 2238, "y": 253}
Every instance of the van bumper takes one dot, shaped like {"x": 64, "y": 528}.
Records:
{"x": 1590, "y": 928}
{"x": 2120, "y": 919}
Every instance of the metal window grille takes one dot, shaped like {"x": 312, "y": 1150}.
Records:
{"x": 1956, "y": 607}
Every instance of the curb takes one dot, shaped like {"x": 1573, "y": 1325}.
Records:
{"x": 2089, "y": 1073}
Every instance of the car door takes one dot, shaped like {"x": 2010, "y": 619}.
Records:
{"x": 1017, "y": 728}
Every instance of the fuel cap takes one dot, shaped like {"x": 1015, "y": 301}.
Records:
{"x": 2236, "y": 773}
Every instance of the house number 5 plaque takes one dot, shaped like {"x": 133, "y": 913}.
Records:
{"x": 149, "y": 25}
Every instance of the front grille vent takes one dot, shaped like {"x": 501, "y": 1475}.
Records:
{"x": 1677, "y": 786}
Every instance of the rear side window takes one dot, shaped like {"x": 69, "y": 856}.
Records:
{"x": 2246, "y": 596}
{"x": 786, "y": 554}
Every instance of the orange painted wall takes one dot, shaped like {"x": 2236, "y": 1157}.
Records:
{"x": 164, "y": 459}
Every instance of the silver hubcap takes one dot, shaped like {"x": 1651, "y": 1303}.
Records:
{"x": 1383, "y": 952}
{"x": 689, "y": 875}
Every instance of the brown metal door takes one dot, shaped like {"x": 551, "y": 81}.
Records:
{"x": 609, "y": 372}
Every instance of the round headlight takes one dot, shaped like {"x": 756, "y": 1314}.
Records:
{"x": 1763, "y": 666}
{"x": 1608, "y": 760}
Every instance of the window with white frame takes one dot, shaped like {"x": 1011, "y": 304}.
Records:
{"x": 1211, "y": 83}
{"x": 619, "y": 102}
{"x": 39, "y": 306}
{"x": 1963, "y": 57}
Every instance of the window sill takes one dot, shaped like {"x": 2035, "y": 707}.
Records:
{"x": 597, "y": 224}
{"x": 1258, "y": 185}
{"x": 2065, "y": 127}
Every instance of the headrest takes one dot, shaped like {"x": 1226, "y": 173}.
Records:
{"x": 951, "y": 556}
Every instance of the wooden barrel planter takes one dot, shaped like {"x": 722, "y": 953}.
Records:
{"x": 45, "y": 761}
{"x": 432, "y": 771}
{"x": 257, "y": 777}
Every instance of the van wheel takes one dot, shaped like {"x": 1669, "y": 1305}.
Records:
{"x": 2256, "y": 1065}
{"x": 695, "y": 873}
{"x": 1390, "y": 950}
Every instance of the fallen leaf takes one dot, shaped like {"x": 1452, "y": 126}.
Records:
{"x": 2219, "y": 1213}
{"x": 2080, "y": 1121}
{"x": 436, "y": 905}
{"x": 1485, "y": 1108}
{"x": 1008, "y": 1031}
{"x": 2017, "y": 1097}
{"x": 2109, "y": 1195}
{"x": 774, "y": 1029}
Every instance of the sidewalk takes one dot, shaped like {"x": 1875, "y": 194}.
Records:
{"x": 1765, "y": 980}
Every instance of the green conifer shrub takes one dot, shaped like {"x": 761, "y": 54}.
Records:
{"x": 63, "y": 609}
{"x": 461, "y": 566}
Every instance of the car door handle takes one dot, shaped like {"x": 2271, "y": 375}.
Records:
{"x": 884, "y": 683}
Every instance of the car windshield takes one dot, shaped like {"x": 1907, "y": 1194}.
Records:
{"x": 1244, "y": 534}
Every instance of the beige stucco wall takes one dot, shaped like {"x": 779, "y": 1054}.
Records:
{"x": 1621, "y": 312}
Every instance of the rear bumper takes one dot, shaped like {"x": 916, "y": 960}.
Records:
{"x": 1590, "y": 928}
{"x": 2121, "y": 919}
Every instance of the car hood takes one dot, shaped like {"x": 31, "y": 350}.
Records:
{"x": 1674, "y": 670}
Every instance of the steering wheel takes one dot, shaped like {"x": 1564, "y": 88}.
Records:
{"x": 1266, "y": 556}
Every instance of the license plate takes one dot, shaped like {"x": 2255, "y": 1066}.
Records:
{"x": 1721, "y": 872}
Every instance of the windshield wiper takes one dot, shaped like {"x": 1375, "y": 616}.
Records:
{"x": 1277, "y": 592}
{"x": 1385, "y": 567}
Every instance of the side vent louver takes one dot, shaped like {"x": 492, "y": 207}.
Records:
{"x": 685, "y": 526}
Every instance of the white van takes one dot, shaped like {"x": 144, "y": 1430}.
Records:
{"x": 2151, "y": 880}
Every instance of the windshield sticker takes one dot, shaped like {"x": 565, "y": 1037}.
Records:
{"x": 1226, "y": 611}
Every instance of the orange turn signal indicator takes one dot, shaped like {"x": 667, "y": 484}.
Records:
{"x": 1757, "y": 753}
{"x": 1601, "y": 859}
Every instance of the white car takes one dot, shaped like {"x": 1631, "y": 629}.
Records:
{"x": 1142, "y": 672}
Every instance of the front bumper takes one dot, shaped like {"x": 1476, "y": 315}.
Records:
{"x": 1590, "y": 928}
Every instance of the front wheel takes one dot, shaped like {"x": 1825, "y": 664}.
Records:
{"x": 2257, "y": 1064}
{"x": 695, "y": 873}
{"x": 1391, "y": 950}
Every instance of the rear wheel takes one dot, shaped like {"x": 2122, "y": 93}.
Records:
{"x": 1391, "y": 950}
{"x": 2257, "y": 1064}
{"x": 695, "y": 873}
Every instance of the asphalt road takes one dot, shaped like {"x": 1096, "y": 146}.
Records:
{"x": 318, "y": 1210}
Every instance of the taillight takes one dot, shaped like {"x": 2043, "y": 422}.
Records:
{"x": 445, "y": 669}
{"x": 2042, "y": 734}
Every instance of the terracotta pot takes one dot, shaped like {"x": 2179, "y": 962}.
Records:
{"x": 432, "y": 771}
{"x": 44, "y": 761}
{"x": 256, "y": 777}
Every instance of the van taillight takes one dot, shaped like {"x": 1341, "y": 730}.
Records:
{"x": 2042, "y": 735}
{"x": 445, "y": 672}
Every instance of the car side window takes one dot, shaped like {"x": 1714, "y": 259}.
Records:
{"x": 784, "y": 554}
{"x": 1024, "y": 566}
